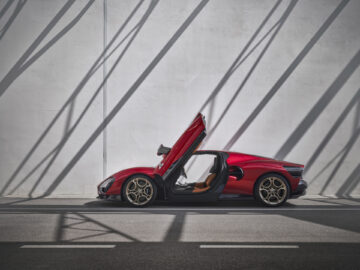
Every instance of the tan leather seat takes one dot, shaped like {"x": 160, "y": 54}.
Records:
{"x": 203, "y": 186}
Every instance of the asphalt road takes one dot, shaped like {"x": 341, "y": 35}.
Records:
{"x": 90, "y": 234}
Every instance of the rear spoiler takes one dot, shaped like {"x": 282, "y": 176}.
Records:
{"x": 163, "y": 150}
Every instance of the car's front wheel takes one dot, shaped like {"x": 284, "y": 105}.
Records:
{"x": 139, "y": 191}
{"x": 272, "y": 190}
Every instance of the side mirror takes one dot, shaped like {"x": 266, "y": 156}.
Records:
{"x": 163, "y": 150}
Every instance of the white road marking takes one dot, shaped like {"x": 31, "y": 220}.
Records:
{"x": 249, "y": 246}
{"x": 175, "y": 209}
{"x": 68, "y": 246}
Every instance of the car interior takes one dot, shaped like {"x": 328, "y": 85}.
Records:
{"x": 203, "y": 179}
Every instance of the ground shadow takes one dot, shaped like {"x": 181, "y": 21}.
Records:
{"x": 73, "y": 215}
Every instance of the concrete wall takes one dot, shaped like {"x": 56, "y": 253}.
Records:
{"x": 274, "y": 78}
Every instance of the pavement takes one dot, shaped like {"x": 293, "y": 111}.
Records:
{"x": 321, "y": 233}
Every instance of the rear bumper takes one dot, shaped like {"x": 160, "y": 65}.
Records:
{"x": 300, "y": 189}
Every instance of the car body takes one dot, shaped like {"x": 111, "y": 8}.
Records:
{"x": 231, "y": 175}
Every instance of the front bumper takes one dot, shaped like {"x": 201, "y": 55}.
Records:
{"x": 300, "y": 189}
{"x": 103, "y": 187}
{"x": 109, "y": 197}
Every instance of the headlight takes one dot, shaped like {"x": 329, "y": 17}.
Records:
{"x": 104, "y": 187}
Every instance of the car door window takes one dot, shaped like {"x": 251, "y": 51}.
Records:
{"x": 197, "y": 169}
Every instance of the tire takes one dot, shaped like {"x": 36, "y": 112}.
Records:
{"x": 139, "y": 191}
{"x": 272, "y": 190}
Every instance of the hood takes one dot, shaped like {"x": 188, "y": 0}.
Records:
{"x": 141, "y": 170}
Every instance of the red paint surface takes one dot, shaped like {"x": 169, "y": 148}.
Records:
{"x": 120, "y": 178}
{"x": 182, "y": 144}
{"x": 254, "y": 167}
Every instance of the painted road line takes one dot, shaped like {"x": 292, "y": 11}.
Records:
{"x": 249, "y": 246}
{"x": 119, "y": 210}
{"x": 68, "y": 246}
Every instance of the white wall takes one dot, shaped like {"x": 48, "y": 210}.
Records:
{"x": 295, "y": 97}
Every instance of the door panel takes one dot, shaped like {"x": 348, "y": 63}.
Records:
{"x": 194, "y": 134}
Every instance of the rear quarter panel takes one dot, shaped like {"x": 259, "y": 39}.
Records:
{"x": 252, "y": 171}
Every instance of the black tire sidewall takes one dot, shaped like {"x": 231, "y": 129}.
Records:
{"x": 123, "y": 190}
{"x": 257, "y": 191}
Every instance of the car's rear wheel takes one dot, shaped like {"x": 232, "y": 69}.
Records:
{"x": 272, "y": 190}
{"x": 139, "y": 191}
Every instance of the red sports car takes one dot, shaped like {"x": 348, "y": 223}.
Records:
{"x": 225, "y": 175}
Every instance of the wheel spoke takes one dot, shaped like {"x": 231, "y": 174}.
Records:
{"x": 277, "y": 196}
{"x": 139, "y": 191}
{"x": 135, "y": 195}
{"x": 131, "y": 187}
{"x": 142, "y": 184}
{"x": 132, "y": 192}
{"x": 271, "y": 182}
{"x": 272, "y": 190}
{"x": 136, "y": 183}
{"x": 147, "y": 196}
{"x": 147, "y": 184}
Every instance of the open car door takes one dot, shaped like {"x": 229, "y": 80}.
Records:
{"x": 183, "y": 148}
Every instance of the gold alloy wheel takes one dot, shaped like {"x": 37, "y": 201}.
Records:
{"x": 273, "y": 190}
{"x": 139, "y": 191}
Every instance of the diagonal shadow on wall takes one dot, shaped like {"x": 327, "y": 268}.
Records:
{"x": 236, "y": 62}
{"x": 125, "y": 98}
{"x": 319, "y": 107}
{"x": 25, "y": 60}
{"x": 6, "y": 8}
{"x": 68, "y": 104}
{"x": 352, "y": 140}
{"x": 278, "y": 26}
{"x": 332, "y": 160}
{"x": 342, "y": 154}
{"x": 313, "y": 115}
{"x": 233, "y": 67}
{"x": 294, "y": 64}
{"x": 20, "y": 4}
{"x": 68, "y": 131}
{"x": 354, "y": 100}
{"x": 350, "y": 183}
